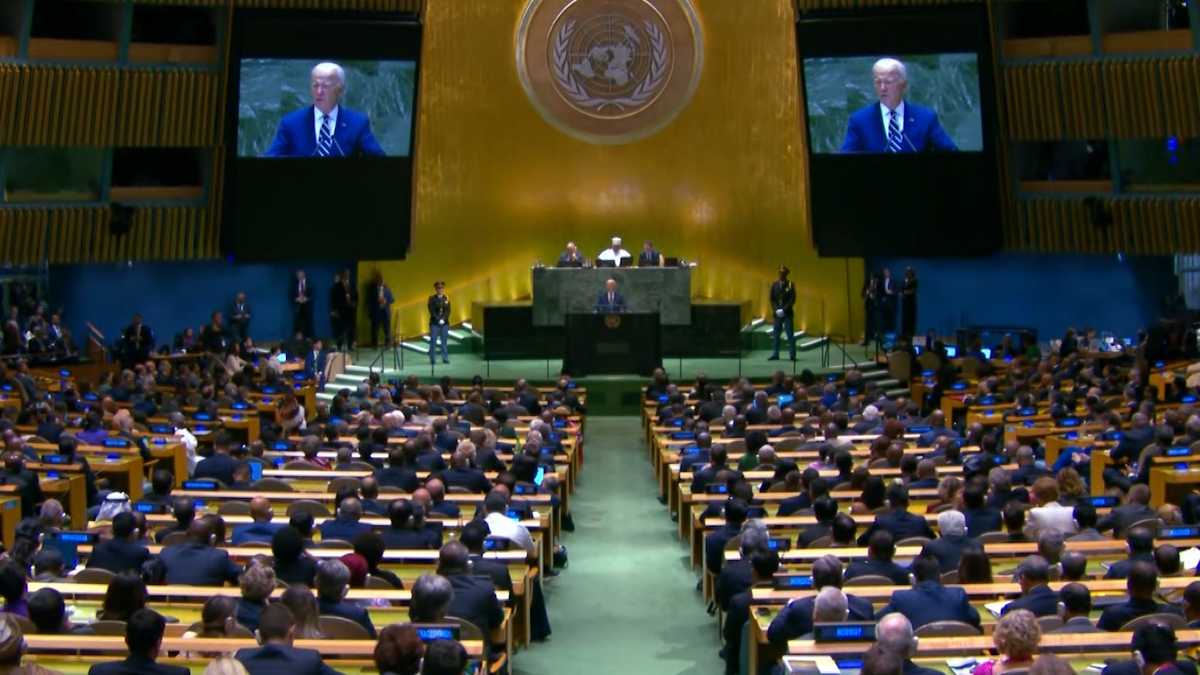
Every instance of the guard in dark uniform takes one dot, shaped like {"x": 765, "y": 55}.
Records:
{"x": 439, "y": 322}
{"x": 783, "y": 301}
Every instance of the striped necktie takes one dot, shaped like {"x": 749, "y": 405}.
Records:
{"x": 325, "y": 142}
{"x": 893, "y": 133}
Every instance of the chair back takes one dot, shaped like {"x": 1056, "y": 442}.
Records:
{"x": 1151, "y": 524}
{"x": 108, "y": 627}
{"x": 317, "y": 509}
{"x": 174, "y": 538}
{"x": 821, "y": 542}
{"x": 913, "y": 541}
{"x": 458, "y": 490}
{"x": 92, "y": 575}
{"x": 239, "y": 631}
{"x": 869, "y": 580}
{"x": 780, "y": 486}
{"x": 1049, "y": 623}
{"x": 378, "y": 583}
{"x": 343, "y": 483}
{"x": 358, "y": 465}
{"x": 947, "y": 629}
{"x": 1174, "y": 621}
{"x": 341, "y": 628}
{"x": 467, "y": 629}
{"x": 302, "y": 465}
{"x": 788, "y": 443}
{"x": 332, "y": 543}
{"x": 234, "y": 509}
{"x": 272, "y": 485}
{"x": 993, "y": 537}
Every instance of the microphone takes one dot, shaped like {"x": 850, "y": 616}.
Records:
{"x": 904, "y": 133}
{"x": 339, "y": 146}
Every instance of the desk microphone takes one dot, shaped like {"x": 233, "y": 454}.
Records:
{"x": 339, "y": 146}
{"x": 904, "y": 133}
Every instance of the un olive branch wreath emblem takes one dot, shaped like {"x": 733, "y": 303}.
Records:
{"x": 575, "y": 91}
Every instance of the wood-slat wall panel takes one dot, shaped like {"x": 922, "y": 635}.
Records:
{"x": 81, "y": 234}
{"x": 1135, "y": 108}
{"x": 1180, "y": 78}
{"x": 1140, "y": 225}
{"x": 1082, "y": 95}
{"x": 819, "y": 5}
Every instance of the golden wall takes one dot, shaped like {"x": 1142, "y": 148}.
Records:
{"x": 497, "y": 188}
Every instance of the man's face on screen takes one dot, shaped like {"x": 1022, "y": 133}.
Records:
{"x": 326, "y": 91}
{"x": 889, "y": 87}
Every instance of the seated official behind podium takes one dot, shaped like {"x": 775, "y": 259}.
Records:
{"x": 570, "y": 257}
{"x": 614, "y": 256}
{"x": 650, "y": 257}
{"x": 609, "y": 300}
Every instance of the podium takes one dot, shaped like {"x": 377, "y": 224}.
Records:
{"x": 612, "y": 343}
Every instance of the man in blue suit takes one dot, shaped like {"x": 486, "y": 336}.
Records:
{"x": 894, "y": 125}
{"x": 315, "y": 361}
{"x": 326, "y": 128}
{"x": 277, "y": 656}
{"x": 928, "y": 600}
{"x": 197, "y": 562}
{"x": 609, "y": 299}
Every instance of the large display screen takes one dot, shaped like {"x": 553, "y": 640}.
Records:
{"x": 899, "y": 108}
{"x": 322, "y": 111}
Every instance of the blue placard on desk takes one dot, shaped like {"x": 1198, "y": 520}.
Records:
{"x": 52, "y": 474}
{"x": 1028, "y": 424}
{"x": 663, "y": 398}
{"x": 239, "y": 405}
{"x": 256, "y": 469}
{"x": 785, "y": 400}
{"x": 159, "y": 441}
{"x": 987, "y": 400}
{"x": 844, "y": 632}
{"x": 959, "y": 386}
{"x": 779, "y": 544}
{"x": 676, "y": 422}
{"x": 792, "y": 581}
{"x": 1160, "y": 364}
{"x": 116, "y": 443}
{"x": 203, "y": 416}
{"x": 559, "y": 423}
{"x": 689, "y": 450}
{"x": 1027, "y": 412}
{"x": 1189, "y": 398}
{"x": 270, "y": 390}
{"x": 91, "y": 396}
{"x": 432, "y": 633}
{"x": 1069, "y": 422}
{"x": 496, "y": 544}
{"x": 1104, "y": 501}
{"x": 279, "y": 445}
{"x": 1110, "y": 436}
{"x": 920, "y": 428}
{"x": 1179, "y": 451}
{"x": 1178, "y": 532}
{"x": 1071, "y": 435}
{"x": 199, "y": 485}
{"x": 149, "y": 507}
{"x": 716, "y": 489}
{"x": 200, "y": 428}
{"x": 54, "y": 459}
{"x": 162, "y": 429}
{"x": 513, "y": 513}
{"x": 524, "y": 489}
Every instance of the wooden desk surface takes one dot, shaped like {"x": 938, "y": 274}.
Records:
{"x": 1006, "y": 549}
{"x": 1102, "y": 641}
{"x": 115, "y": 645}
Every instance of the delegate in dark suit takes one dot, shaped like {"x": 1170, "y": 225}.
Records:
{"x": 196, "y": 564}
{"x": 118, "y": 555}
{"x": 901, "y": 523}
{"x": 1115, "y": 616}
{"x": 610, "y": 301}
{"x": 296, "y": 135}
{"x": 1180, "y": 667}
{"x": 796, "y": 618}
{"x": 475, "y": 600}
{"x": 921, "y": 131}
{"x": 348, "y": 610}
{"x": 929, "y": 601}
{"x": 1041, "y": 600}
{"x": 279, "y": 659}
{"x": 889, "y": 569}
{"x": 137, "y": 665}
{"x": 948, "y": 550}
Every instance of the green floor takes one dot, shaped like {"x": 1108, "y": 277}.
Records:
{"x": 627, "y": 602}
{"x": 465, "y": 366}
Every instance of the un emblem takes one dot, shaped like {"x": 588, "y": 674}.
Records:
{"x": 609, "y": 71}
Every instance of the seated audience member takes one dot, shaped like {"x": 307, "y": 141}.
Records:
{"x": 949, "y": 546}
{"x": 143, "y": 636}
{"x": 48, "y": 565}
{"x": 292, "y": 564}
{"x": 1074, "y": 566}
{"x": 473, "y": 535}
{"x": 217, "y": 619}
{"x": 218, "y": 466}
{"x": 1016, "y": 637}
{"x": 899, "y": 521}
{"x": 1191, "y": 604}
{"x": 929, "y": 600}
{"x": 160, "y": 488}
{"x": 122, "y": 552}
{"x": 257, "y": 584}
{"x": 438, "y": 503}
{"x": 474, "y": 596}
{"x": 873, "y": 496}
{"x": 980, "y": 518}
{"x": 1156, "y": 650}
{"x": 13, "y": 589}
{"x": 825, "y": 509}
{"x": 276, "y": 655}
{"x": 48, "y": 611}
{"x": 126, "y": 594}
{"x": 1076, "y": 611}
{"x": 398, "y": 474}
{"x": 830, "y": 606}
{"x": 431, "y": 598}
{"x": 462, "y": 474}
{"x": 1033, "y": 575}
{"x": 1135, "y": 509}
{"x": 880, "y": 549}
{"x": 12, "y": 649}
{"x": 1050, "y": 545}
{"x": 501, "y": 526}
{"x": 333, "y": 582}
{"x": 737, "y": 575}
{"x": 844, "y": 529}
{"x": 184, "y": 511}
{"x": 346, "y": 526}
{"x": 894, "y": 634}
{"x": 261, "y": 529}
{"x": 407, "y": 528}
{"x": 796, "y": 618}
{"x": 303, "y": 606}
{"x": 304, "y": 523}
{"x": 443, "y": 657}
{"x": 879, "y": 661}
{"x": 1084, "y": 514}
{"x": 1142, "y": 583}
{"x": 371, "y": 547}
{"x": 1027, "y": 471}
{"x": 1166, "y": 559}
{"x": 399, "y": 650}
{"x": 763, "y": 565}
{"x": 198, "y": 562}
{"x": 1048, "y": 514}
{"x": 1014, "y": 522}
{"x": 974, "y": 567}
{"x": 1140, "y": 541}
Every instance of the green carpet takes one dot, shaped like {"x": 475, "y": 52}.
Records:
{"x": 627, "y": 603}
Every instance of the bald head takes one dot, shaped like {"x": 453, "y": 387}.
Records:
{"x": 260, "y": 510}
{"x": 436, "y": 489}
{"x": 895, "y": 634}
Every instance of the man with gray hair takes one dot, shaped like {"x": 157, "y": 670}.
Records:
{"x": 830, "y": 606}
{"x": 736, "y": 576}
{"x": 1033, "y": 574}
{"x": 326, "y": 128}
{"x": 333, "y": 581}
{"x": 894, "y": 634}
{"x": 891, "y": 124}
{"x": 948, "y": 547}
{"x": 431, "y": 597}
{"x": 346, "y": 525}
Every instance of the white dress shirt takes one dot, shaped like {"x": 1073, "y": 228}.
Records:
{"x": 506, "y": 528}
{"x": 319, "y": 118}
{"x": 887, "y": 116}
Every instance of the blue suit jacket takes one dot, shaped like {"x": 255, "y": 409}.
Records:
{"x": 929, "y": 601}
{"x": 193, "y": 564}
{"x": 1042, "y": 601}
{"x": 315, "y": 367}
{"x": 796, "y": 618}
{"x": 617, "y": 305}
{"x": 865, "y": 132}
{"x": 276, "y": 659}
{"x": 296, "y": 135}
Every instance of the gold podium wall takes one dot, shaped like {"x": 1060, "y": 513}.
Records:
{"x": 498, "y": 188}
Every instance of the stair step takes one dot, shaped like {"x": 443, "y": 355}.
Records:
{"x": 806, "y": 345}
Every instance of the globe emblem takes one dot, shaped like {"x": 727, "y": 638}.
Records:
{"x": 610, "y": 65}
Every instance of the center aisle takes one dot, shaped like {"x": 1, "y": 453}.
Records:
{"x": 627, "y": 604}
